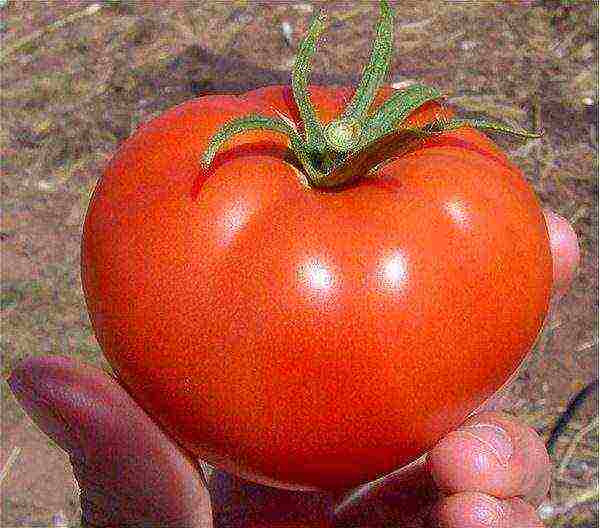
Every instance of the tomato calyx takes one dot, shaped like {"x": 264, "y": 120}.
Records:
{"x": 358, "y": 142}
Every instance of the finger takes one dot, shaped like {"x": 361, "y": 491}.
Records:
{"x": 565, "y": 252}
{"x": 477, "y": 510}
{"x": 129, "y": 472}
{"x": 492, "y": 453}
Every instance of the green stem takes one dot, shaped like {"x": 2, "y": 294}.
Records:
{"x": 359, "y": 164}
{"x": 344, "y": 134}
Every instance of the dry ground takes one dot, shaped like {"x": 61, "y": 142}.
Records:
{"x": 72, "y": 91}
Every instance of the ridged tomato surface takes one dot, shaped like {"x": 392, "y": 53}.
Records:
{"x": 309, "y": 338}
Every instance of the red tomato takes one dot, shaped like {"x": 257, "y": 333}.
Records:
{"x": 309, "y": 338}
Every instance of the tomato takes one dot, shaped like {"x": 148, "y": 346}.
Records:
{"x": 302, "y": 337}
{"x": 341, "y": 286}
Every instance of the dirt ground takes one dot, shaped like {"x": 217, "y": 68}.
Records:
{"x": 76, "y": 81}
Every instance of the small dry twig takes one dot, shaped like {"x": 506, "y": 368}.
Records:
{"x": 548, "y": 511}
{"x": 575, "y": 442}
{"x": 50, "y": 28}
{"x": 12, "y": 458}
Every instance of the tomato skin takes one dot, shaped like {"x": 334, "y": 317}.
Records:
{"x": 305, "y": 338}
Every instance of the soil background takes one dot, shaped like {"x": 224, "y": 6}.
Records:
{"x": 78, "y": 77}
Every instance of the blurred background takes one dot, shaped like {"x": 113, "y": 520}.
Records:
{"x": 78, "y": 77}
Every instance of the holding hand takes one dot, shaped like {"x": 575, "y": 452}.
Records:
{"x": 492, "y": 472}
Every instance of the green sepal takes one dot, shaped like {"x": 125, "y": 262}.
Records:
{"x": 260, "y": 122}
{"x": 377, "y": 68}
{"x": 313, "y": 129}
{"x": 483, "y": 124}
{"x": 395, "y": 110}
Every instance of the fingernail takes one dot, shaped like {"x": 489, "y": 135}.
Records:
{"x": 493, "y": 437}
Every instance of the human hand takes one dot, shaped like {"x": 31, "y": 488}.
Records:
{"x": 132, "y": 475}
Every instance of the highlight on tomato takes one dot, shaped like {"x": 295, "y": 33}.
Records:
{"x": 309, "y": 286}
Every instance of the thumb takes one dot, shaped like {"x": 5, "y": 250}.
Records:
{"x": 565, "y": 252}
{"x": 129, "y": 472}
